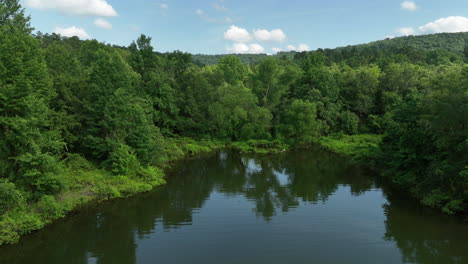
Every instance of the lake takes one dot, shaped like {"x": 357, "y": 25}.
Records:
{"x": 308, "y": 206}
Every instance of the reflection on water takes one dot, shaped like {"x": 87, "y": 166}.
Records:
{"x": 299, "y": 207}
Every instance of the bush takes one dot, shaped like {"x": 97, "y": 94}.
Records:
{"x": 77, "y": 162}
{"x": 123, "y": 161}
{"x": 359, "y": 147}
{"x": 349, "y": 122}
{"x": 17, "y": 224}
{"x": 260, "y": 146}
{"x": 105, "y": 192}
{"x": 49, "y": 208}
{"x": 152, "y": 174}
{"x": 9, "y": 197}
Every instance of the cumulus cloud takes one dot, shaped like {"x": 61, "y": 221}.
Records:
{"x": 237, "y": 34}
{"x": 450, "y": 24}
{"x": 102, "y": 23}
{"x": 71, "y": 32}
{"x": 163, "y": 6}
{"x": 75, "y": 7}
{"x": 242, "y": 48}
{"x": 276, "y": 35}
{"x": 406, "y": 31}
{"x": 409, "y": 6}
{"x": 300, "y": 48}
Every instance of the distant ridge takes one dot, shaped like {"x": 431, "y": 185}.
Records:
{"x": 452, "y": 42}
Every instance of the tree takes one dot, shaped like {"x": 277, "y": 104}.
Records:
{"x": 12, "y": 17}
{"x": 29, "y": 146}
{"x": 316, "y": 76}
{"x": 155, "y": 83}
{"x": 115, "y": 114}
{"x": 236, "y": 115}
{"x": 360, "y": 89}
{"x": 68, "y": 77}
{"x": 231, "y": 70}
{"x": 300, "y": 123}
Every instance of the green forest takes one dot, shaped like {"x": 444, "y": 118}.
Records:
{"x": 84, "y": 120}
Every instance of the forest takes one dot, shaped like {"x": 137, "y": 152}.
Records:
{"x": 83, "y": 120}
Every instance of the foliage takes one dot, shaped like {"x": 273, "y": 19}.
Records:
{"x": 300, "y": 123}
{"x": 10, "y": 197}
{"x": 260, "y": 146}
{"x": 362, "y": 147}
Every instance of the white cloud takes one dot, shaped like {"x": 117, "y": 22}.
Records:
{"x": 72, "y": 31}
{"x": 409, "y": 6}
{"x": 406, "y": 31}
{"x": 300, "y": 48}
{"x": 102, "y": 23}
{"x": 450, "y": 24}
{"x": 242, "y": 48}
{"x": 276, "y": 35}
{"x": 164, "y": 6}
{"x": 390, "y": 37}
{"x": 237, "y": 34}
{"x": 75, "y": 7}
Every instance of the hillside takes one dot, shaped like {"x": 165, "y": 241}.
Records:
{"x": 451, "y": 45}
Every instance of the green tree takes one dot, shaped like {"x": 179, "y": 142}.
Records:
{"x": 12, "y": 17}
{"x": 300, "y": 123}
{"x": 29, "y": 146}
{"x": 231, "y": 70}
{"x": 155, "y": 83}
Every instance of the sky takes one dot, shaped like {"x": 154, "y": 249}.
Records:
{"x": 246, "y": 26}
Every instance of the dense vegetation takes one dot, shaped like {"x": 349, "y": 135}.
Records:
{"x": 427, "y": 49}
{"x": 81, "y": 118}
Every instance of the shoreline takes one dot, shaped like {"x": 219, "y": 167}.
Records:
{"x": 98, "y": 185}
{"x": 91, "y": 185}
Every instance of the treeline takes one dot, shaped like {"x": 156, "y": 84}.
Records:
{"x": 441, "y": 48}
{"x": 121, "y": 108}
{"x": 203, "y": 60}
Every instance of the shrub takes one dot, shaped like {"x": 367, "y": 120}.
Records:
{"x": 105, "y": 192}
{"x": 49, "y": 208}
{"x": 10, "y": 197}
{"x": 123, "y": 161}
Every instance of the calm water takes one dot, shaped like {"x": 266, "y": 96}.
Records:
{"x": 302, "y": 207}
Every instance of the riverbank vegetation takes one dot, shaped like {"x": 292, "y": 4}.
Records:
{"x": 83, "y": 120}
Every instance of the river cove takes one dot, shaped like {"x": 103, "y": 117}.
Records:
{"x": 301, "y": 206}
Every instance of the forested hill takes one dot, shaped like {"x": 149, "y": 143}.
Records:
{"x": 454, "y": 42}
{"x": 201, "y": 59}
{"x": 448, "y": 45}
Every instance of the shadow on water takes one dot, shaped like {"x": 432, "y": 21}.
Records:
{"x": 271, "y": 185}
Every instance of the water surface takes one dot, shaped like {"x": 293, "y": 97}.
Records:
{"x": 300, "y": 207}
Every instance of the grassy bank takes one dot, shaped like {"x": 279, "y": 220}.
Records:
{"x": 364, "y": 147}
{"x": 259, "y": 146}
{"x": 85, "y": 183}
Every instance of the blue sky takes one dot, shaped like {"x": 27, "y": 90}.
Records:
{"x": 228, "y": 26}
